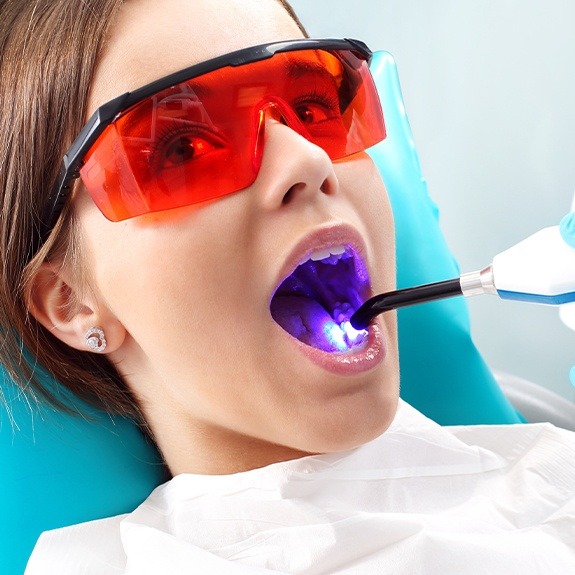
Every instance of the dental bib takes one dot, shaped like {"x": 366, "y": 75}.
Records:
{"x": 421, "y": 498}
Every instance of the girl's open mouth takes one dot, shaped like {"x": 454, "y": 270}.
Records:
{"x": 314, "y": 303}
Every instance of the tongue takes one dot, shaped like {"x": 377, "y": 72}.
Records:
{"x": 305, "y": 319}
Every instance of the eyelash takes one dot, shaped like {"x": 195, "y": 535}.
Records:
{"x": 327, "y": 98}
{"x": 167, "y": 133}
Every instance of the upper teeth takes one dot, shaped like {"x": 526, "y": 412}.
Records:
{"x": 326, "y": 253}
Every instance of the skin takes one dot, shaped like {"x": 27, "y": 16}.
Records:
{"x": 183, "y": 296}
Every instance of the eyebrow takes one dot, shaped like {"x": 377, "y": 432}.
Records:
{"x": 300, "y": 68}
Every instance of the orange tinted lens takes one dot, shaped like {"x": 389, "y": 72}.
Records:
{"x": 197, "y": 141}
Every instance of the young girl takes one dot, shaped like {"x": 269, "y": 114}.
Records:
{"x": 194, "y": 261}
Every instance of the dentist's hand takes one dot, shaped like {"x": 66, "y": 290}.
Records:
{"x": 567, "y": 229}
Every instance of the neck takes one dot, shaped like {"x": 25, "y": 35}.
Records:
{"x": 192, "y": 447}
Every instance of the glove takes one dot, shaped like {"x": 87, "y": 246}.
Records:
{"x": 567, "y": 229}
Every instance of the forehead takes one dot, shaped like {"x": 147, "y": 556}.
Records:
{"x": 151, "y": 39}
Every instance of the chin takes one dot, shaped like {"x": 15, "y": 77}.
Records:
{"x": 346, "y": 425}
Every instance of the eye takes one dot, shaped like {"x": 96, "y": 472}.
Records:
{"x": 311, "y": 113}
{"x": 317, "y": 107}
{"x": 177, "y": 146}
{"x": 181, "y": 150}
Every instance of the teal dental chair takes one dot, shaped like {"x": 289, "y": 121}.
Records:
{"x": 59, "y": 469}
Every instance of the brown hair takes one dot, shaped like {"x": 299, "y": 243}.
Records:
{"x": 48, "y": 53}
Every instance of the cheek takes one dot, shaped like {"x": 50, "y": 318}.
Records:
{"x": 380, "y": 215}
{"x": 364, "y": 189}
{"x": 173, "y": 281}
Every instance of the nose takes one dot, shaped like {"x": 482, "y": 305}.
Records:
{"x": 293, "y": 169}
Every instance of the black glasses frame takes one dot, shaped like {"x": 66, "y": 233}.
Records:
{"x": 109, "y": 112}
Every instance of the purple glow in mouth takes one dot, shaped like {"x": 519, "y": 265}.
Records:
{"x": 315, "y": 302}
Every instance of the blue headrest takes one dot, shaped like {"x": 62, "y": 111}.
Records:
{"x": 59, "y": 469}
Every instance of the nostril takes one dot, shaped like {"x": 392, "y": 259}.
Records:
{"x": 327, "y": 187}
{"x": 289, "y": 196}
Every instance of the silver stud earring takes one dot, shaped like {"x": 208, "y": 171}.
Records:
{"x": 95, "y": 339}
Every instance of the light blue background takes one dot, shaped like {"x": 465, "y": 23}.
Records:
{"x": 489, "y": 87}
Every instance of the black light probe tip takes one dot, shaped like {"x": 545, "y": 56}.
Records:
{"x": 402, "y": 298}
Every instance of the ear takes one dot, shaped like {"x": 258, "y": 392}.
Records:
{"x": 67, "y": 313}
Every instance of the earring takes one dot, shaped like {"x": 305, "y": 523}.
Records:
{"x": 95, "y": 339}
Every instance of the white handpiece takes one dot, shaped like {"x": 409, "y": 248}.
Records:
{"x": 567, "y": 312}
{"x": 540, "y": 269}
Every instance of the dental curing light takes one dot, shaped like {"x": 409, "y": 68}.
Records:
{"x": 540, "y": 269}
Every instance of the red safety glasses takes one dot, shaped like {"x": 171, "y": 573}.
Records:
{"x": 198, "y": 134}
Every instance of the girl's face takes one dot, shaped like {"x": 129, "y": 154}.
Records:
{"x": 186, "y": 295}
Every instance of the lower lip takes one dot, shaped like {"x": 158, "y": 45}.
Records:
{"x": 350, "y": 363}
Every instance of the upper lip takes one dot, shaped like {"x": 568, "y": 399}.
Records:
{"x": 320, "y": 239}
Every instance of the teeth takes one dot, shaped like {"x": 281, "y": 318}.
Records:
{"x": 318, "y": 255}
